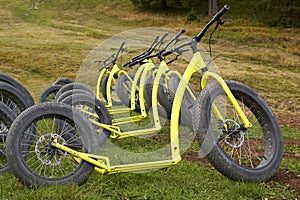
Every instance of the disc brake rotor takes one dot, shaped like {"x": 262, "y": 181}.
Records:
{"x": 48, "y": 154}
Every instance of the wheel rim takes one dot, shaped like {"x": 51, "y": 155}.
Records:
{"x": 248, "y": 147}
{"x": 41, "y": 157}
{"x": 10, "y": 103}
{"x": 3, "y": 134}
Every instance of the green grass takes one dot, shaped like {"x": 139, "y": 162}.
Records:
{"x": 292, "y": 165}
{"x": 40, "y": 45}
{"x": 183, "y": 181}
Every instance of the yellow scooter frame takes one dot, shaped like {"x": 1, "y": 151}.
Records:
{"x": 102, "y": 164}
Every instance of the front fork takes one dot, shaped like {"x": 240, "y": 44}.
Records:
{"x": 207, "y": 75}
{"x": 183, "y": 84}
{"x": 110, "y": 80}
{"x": 102, "y": 74}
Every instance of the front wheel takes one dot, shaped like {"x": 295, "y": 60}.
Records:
{"x": 93, "y": 110}
{"x": 13, "y": 98}
{"x": 62, "y": 81}
{"x": 7, "y": 117}
{"x": 32, "y": 158}
{"x": 49, "y": 93}
{"x": 123, "y": 89}
{"x": 26, "y": 95}
{"x": 114, "y": 97}
{"x": 240, "y": 153}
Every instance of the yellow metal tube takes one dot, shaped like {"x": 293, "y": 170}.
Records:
{"x": 229, "y": 94}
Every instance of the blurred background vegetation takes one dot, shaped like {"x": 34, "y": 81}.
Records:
{"x": 282, "y": 13}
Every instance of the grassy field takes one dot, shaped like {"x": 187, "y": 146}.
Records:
{"x": 40, "y": 44}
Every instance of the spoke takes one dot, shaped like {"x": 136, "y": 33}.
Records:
{"x": 64, "y": 125}
{"x": 248, "y": 154}
{"x": 44, "y": 159}
{"x": 11, "y": 104}
{"x": 28, "y": 152}
{"x": 31, "y": 159}
{"x": 252, "y": 150}
{"x": 231, "y": 152}
{"x": 53, "y": 125}
{"x": 2, "y": 152}
{"x": 240, "y": 155}
{"x": 222, "y": 142}
{"x": 53, "y": 169}
{"x": 63, "y": 170}
{"x": 47, "y": 126}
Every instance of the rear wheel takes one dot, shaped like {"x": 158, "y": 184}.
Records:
{"x": 33, "y": 159}
{"x": 244, "y": 154}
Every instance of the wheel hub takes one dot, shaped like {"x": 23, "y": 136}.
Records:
{"x": 233, "y": 133}
{"x": 48, "y": 154}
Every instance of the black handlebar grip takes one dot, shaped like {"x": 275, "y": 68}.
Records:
{"x": 120, "y": 49}
{"x": 162, "y": 39}
{"x": 126, "y": 64}
{"x": 221, "y": 12}
{"x": 215, "y": 18}
{"x": 179, "y": 34}
{"x": 130, "y": 64}
{"x": 166, "y": 53}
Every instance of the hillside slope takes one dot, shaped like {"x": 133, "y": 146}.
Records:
{"x": 41, "y": 42}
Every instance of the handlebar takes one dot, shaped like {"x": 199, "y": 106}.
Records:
{"x": 147, "y": 56}
{"x": 215, "y": 18}
{"x": 219, "y": 14}
{"x": 150, "y": 49}
{"x": 179, "y": 49}
{"x": 161, "y": 41}
{"x": 120, "y": 49}
{"x": 146, "y": 53}
{"x": 111, "y": 59}
{"x": 130, "y": 64}
{"x": 175, "y": 38}
{"x": 153, "y": 44}
{"x": 105, "y": 62}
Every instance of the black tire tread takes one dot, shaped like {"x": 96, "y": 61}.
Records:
{"x": 25, "y": 93}
{"x": 53, "y": 89}
{"x": 15, "y": 159}
{"x": 214, "y": 153}
{"x": 7, "y": 116}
